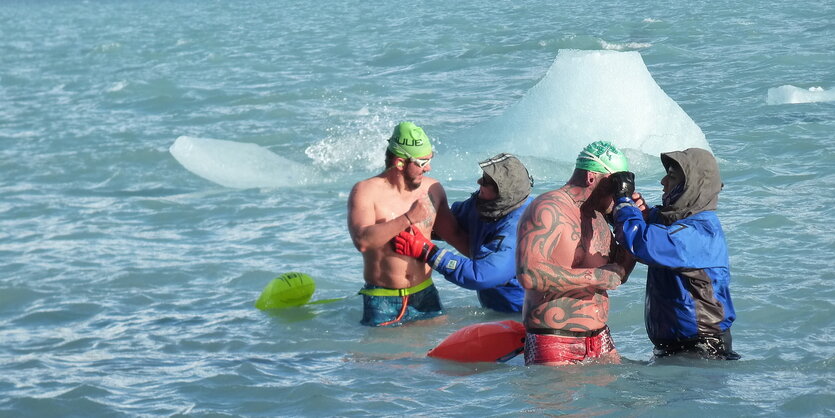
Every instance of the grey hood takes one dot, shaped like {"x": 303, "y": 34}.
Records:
{"x": 514, "y": 186}
{"x": 701, "y": 185}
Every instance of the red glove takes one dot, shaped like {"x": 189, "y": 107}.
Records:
{"x": 412, "y": 243}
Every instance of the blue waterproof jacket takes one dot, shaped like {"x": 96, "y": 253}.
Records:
{"x": 688, "y": 272}
{"x": 491, "y": 270}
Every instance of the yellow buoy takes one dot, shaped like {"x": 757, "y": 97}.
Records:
{"x": 289, "y": 289}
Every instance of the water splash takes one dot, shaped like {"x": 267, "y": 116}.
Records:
{"x": 358, "y": 145}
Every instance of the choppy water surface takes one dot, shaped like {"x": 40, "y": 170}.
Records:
{"x": 127, "y": 281}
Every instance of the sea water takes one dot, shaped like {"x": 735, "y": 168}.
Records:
{"x": 162, "y": 161}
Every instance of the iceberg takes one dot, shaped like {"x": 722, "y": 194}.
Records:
{"x": 792, "y": 95}
{"x": 238, "y": 165}
{"x": 588, "y": 96}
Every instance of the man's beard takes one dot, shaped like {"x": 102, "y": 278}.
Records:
{"x": 412, "y": 183}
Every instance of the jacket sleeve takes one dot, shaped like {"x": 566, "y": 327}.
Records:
{"x": 676, "y": 246}
{"x": 493, "y": 263}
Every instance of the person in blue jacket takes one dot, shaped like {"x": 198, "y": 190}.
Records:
{"x": 688, "y": 306}
{"x": 489, "y": 217}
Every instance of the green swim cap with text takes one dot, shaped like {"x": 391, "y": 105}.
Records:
{"x": 409, "y": 141}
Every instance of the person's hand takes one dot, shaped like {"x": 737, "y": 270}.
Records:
{"x": 641, "y": 204}
{"x": 421, "y": 210}
{"x": 412, "y": 243}
{"x": 617, "y": 275}
{"x": 623, "y": 184}
{"x": 639, "y": 201}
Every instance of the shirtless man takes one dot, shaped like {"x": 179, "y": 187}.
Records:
{"x": 399, "y": 289}
{"x": 566, "y": 261}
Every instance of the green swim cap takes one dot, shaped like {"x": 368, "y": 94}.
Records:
{"x": 409, "y": 141}
{"x": 602, "y": 157}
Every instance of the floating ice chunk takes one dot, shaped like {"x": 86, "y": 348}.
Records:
{"x": 108, "y": 47}
{"x": 790, "y": 95}
{"x": 626, "y": 46}
{"x": 237, "y": 164}
{"x": 588, "y": 96}
{"x": 119, "y": 86}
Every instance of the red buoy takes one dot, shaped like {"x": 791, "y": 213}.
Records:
{"x": 486, "y": 342}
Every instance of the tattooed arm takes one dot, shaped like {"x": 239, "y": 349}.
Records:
{"x": 548, "y": 240}
{"x": 446, "y": 226}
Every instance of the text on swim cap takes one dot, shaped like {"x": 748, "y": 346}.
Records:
{"x": 411, "y": 142}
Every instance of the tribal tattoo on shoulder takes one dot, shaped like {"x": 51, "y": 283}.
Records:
{"x": 598, "y": 235}
{"x": 430, "y": 204}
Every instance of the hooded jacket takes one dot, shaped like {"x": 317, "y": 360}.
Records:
{"x": 683, "y": 245}
{"x": 491, "y": 226}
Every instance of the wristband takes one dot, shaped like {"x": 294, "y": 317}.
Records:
{"x": 408, "y": 219}
{"x": 431, "y": 253}
{"x": 622, "y": 202}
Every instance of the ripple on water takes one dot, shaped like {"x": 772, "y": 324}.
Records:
{"x": 64, "y": 314}
{"x": 44, "y": 407}
{"x": 14, "y": 298}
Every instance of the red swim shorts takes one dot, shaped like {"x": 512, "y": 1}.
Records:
{"x": 557, "y": 347}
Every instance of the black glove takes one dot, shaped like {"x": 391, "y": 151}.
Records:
{"x": 623, "y": 184}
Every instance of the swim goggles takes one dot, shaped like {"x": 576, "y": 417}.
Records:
{"x": 420, "y": 162}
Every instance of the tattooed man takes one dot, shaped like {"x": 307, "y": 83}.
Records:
{"x": 567, "y": 259}
{"x": 399, "y": 289}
